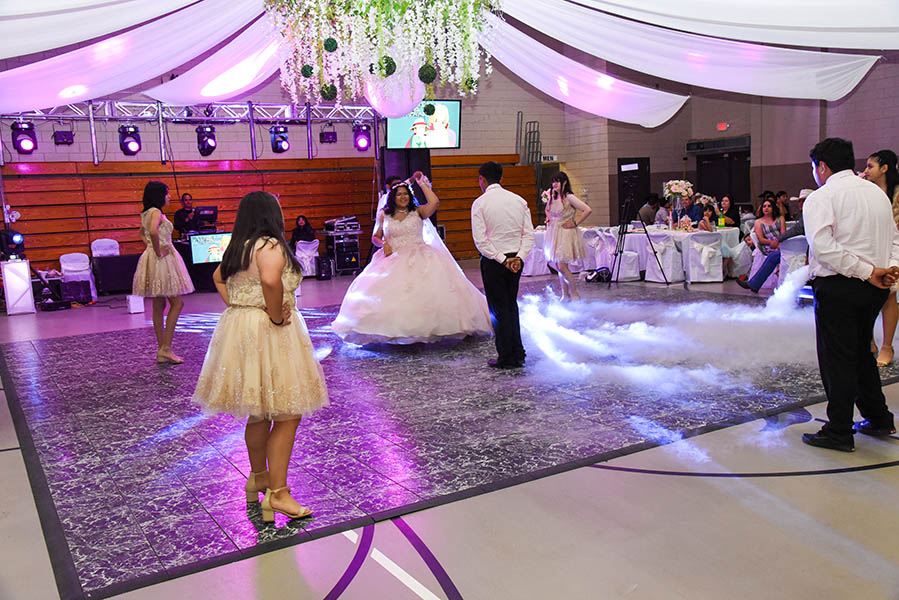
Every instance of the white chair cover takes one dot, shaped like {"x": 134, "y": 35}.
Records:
{"x": 670, "y": 257}
{"x": 306, "y": 253}
{"x": 76, "y": 266}
{"x": 629, "y": 269}
{"x": 104, "y": 247}
{"x": 792, "y": 256}
{"x": 604, "y": 250}
{"x": 702, "y": 257}
{"x": 535, "y": 262}
{"x": 589, "y": 262}
{"x": 742, "y": 257}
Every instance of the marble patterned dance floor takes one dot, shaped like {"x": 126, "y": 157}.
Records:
{"x": 145, "y": 487}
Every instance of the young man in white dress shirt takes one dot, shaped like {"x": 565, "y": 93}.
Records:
{"x": 504, "y": 235}
{"x": 853, "y": 245}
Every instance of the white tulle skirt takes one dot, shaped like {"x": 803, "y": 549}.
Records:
{"x": 417, "y": 294}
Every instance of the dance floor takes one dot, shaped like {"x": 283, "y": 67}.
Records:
{"x": 136, "y": 485}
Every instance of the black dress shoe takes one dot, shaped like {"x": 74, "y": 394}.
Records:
{"x": 820, "y": 440}
{"x": 868, "y": 429}
{"x": 745, "y": 285}
{"x": 496, "y": 364}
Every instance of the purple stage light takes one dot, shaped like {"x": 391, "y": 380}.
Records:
{"x": 129, "y": 139}
{"x": 280, "y": 143}
{"x": 206, "y": 139}
{"x": 24, "y": 138}
{"x": 361, "y": 136}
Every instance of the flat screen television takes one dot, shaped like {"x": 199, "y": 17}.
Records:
{"x": 208, "y": 247}
{"x": 418, "y": 129}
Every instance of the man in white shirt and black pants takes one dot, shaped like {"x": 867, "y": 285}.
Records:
{"x": 504, "y": 235}
{"x": 853, "y": 243}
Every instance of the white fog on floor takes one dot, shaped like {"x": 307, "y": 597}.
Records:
{"x": 670, "y": 347}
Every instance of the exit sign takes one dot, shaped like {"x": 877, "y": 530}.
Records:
{"x": 549, "y": 158}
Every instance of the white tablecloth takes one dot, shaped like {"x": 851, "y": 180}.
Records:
{"x": 637, "y": 241}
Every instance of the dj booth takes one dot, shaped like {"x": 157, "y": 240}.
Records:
{"x": 202, "y": 253}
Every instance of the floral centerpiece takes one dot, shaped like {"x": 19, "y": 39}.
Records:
{"x": 334, "y": 48}
{"x": 677, "y": 189}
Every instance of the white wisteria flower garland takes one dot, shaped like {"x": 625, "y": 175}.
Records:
{"x": 331, "y": 48}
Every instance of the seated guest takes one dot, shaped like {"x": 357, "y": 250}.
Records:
{"x": 770, "y": 232}
{"x": 303, "y": 232}
{"x": 709, "y": 220}
{"x": 783, "y": 205}
{"x": 647, "y": 212}
{"x": 185, "y": 218}
{"x": 731, "y": 215}
{"x": 663, "y": 212}
{"x": 690, "y": 209}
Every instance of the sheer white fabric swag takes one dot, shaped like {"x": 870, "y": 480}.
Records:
{"x": 873, "y": 24}
{"x": 27, "y": 27}
{"x": 574, "y": 84}
{"x": 243, "y": 64}
{"x": 125, "y": 60}
{"x": 694, "y": 59}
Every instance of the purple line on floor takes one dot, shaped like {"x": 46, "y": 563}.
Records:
{"x": 362, "y": 550}
{"x": 436, "y": 568}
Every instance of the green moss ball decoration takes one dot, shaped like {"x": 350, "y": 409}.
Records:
{"x": 427, "y": 74}
{"x": 387, "y": 65}
{"x": 329, "y": 92}
{"x": 330, "y": 44}
{"x": 306, "y": 70}
{"x": 429, "y": 109}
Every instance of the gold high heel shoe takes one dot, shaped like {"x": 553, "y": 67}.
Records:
{"x": 885, "y": 357}
{"x": 268, "y": 511}
{"x": 252, "y": 489}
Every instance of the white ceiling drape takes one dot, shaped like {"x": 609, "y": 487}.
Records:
{"x": 244, "y": 63}
{"x": 574, "y": 84}
{"x": 693, "y": 59}
{"x": 27, "y": 27}
{"x": 125, "y": 60}
{"x": 873, "y": 24}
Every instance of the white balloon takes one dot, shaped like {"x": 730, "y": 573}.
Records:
{"x": 396, "y": 95}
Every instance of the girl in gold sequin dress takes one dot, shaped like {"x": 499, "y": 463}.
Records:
{"x": 160, "y": 274}
{"x": 261, "y": 363}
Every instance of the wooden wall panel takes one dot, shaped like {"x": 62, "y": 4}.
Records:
{"x": 65, "y": 206}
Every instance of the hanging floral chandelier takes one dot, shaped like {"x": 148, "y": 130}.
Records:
{"x": 350, "y": 49}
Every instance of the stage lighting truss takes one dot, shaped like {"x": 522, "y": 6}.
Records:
{"x": 129, "y": 139}
{"x": 206, "y": 139}
{"x": 280, "y": 143}
{"x": 361, "y": 137}
{"x": 24, "y": 137}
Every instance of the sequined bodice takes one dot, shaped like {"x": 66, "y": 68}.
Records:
{"x": 165, "y": 228}
{"x": 245, "y": 288}
{"x": 403, "y": 233}
{"x": 559, "y": 211}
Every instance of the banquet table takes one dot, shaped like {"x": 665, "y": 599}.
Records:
{"x": 637, "y": 241}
